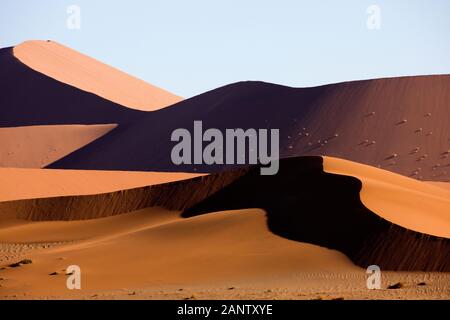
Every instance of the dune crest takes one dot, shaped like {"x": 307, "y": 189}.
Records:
{"x": 398, "y": 124}
{"x": 88, "y": 74}
{"x": 26, "y": 183}
{"x": 304, "y": 202}
{"x": 409, "y": 203}
{"x": 218, "y": 249}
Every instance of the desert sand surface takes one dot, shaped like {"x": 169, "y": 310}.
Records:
{"x": 156, "y": 253}
{"x": 350, "y": 192}
{"x": 25, "y": 183}
{"x": 444, "y": 185}
{"x": 398, "y": 124}
{"x": 169, "y": 255}
{"x": 78, "y": 70}
{"x": 38, "y": 146}
{"x": 413, "y": 204}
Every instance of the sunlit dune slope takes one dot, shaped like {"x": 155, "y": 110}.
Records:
{"x": 24, "y": 183}
{"x": 219, "y": 249}
{"x": 352, "y": 209}
{"x": 444, "y": 185}
{"x": 31, "y": 98}
{"x": 38, "y": 146}
{"x": 85, "y": 73}
{"x": 406, "y": 202}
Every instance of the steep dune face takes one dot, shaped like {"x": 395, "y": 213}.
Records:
{"x": 46, "y": 84}
{"x": 29, "y": 98}
{"x": 398, "y": 124}
{"x": 406, "y": 202}
{"x": 306, "y": 204}
{"x": 38, "y": 146}
{"x": 175, "y": 196}
{"x": 87, "y": 74}
{"x": 339, "y": 210}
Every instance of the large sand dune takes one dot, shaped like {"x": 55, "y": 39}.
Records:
{"x": 55, "y": 90}
{"x": 348, "y": 193}
{"x": 158, "y": 253}
{"x": 80, "y": 71}
{"x": 406, "y": 202}
{"x": 345, "y": 210}
{"x": 398, "y": 124}
{"x": 29, "y": 97}
{"x": 171, "y": 252}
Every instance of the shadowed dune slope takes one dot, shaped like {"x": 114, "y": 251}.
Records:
{"x": 46, "y": 84}
{"x": 303, "y": 203}
{"x": 398, "y": 124}
{"x": 38, "y": 146}
{"x": 87, "y": 74}
{"x": 159, "y": 192}
{"x": 306, "y": 204}
{"x": 412, "y": 204}
{"x": 28, "y": 97}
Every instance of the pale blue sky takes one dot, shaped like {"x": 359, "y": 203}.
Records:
{"x": 189, "y": 47}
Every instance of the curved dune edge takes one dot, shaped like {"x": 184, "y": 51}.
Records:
{"x": 360, "y": 121}
{"x": 155, "y": 247}
{"x": 38, "y": 146}
{"x": 90, "y": 75}
{"x": 25, "y": 183}
{"x": 406, "y": 202}
{"x": 303, "y": 203}
{"x": 174, "y": 191}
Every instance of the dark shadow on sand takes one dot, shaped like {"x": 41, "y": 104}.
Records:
{"x": 303, "y": 203}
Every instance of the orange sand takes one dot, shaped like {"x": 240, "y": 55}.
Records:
{"x": 18, "y": 183}
{"x": 38, "y": 146}
{"x": 409, "y": 203}
{"x": 153, "y": 253}
{"x": 85, "y": 73}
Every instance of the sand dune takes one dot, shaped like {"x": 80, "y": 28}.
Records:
{"x": 55, "y": 90}
{"x": 406, "y": 202}
{"x": 398, "y": 124}
{"x": 316, "y": 219}
{"x": 308, "y": 232}
{"x": 328, "y": 210}
{"x": 80, "y": 71}
{"x": 170, "y": 190}
{"x": 154, "y": 253}
{"x": 38, "y": 146}
{"x": 18, "y": 183}
{"x": 30, "y": 98}
{"x": 240, "y": 250}
{"x": 358, "y": 218}
{"x": 23, "y": 231}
